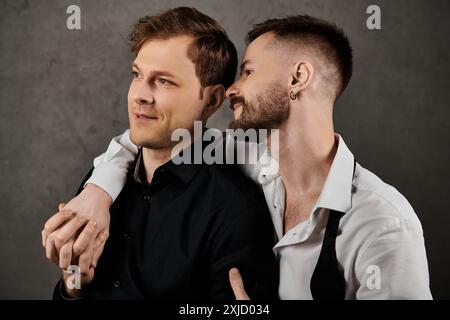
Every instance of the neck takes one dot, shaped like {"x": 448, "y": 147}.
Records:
{"x": 154, "y": 158}
{"x": 307, "y": 148}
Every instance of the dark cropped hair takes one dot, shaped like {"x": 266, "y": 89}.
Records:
{"x": 329, "y": 39}
{"x": 212, "y": 52}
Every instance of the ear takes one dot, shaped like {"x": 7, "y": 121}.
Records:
{"x": 301, "y": 77}
{"x": 214, "y": 96}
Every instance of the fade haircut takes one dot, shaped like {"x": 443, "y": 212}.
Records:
{"x": 323, "y": 37}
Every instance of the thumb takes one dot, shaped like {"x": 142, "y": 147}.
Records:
{"x": 237, "y": 285}
{"x": 61, "y": 206}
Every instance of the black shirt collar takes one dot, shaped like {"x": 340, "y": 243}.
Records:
{"x": 184, "y": 172}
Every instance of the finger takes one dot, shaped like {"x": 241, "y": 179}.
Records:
{"x": 65, "y": 255}
{"x": 56, "y": 221}
{"x": 66, "y": 232}
{"x": 44, "y": 237}
{"x": 84, "y": 262}
{"x": 90, "y": 275}
{"x": 50, "y": 251}
{"x": 237, "y": 285}
{"x": 99, "y": 246}
{"x": 61, "y": 206}
{"x": 86, "y": 236}
{"x": 98, "y": 250}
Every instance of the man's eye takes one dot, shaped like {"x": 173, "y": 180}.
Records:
{"x": 247, "y": 72}
{"x": 163, "y": 81}
{"x": 135, "y": 74}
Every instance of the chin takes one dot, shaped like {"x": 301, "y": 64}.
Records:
{"x": 148, "y": 140}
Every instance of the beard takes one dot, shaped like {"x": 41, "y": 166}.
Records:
{"x": 269, "y": 110}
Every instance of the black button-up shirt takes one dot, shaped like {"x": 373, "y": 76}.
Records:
{"x": 177, "y": 237}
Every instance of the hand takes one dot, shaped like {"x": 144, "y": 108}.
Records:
{"x": 84, "y": 271}
{"x": 237, "y": 285}
{"x": 66, "y": 220}
{"x": 63, "y": 232}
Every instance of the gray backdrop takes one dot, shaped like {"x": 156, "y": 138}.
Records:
{"x": 63, "y": 96}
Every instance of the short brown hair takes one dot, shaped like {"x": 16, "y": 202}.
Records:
{"x": 331, "y": 41}
{"x": 212, "y": 52}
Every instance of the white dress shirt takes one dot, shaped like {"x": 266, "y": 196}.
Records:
{"x": 380, "y": 246}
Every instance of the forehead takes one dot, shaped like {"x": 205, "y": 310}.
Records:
{"x": 166, "y": 54}
{"x": 261, "y": 50}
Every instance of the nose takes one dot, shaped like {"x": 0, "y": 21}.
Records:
{"x": 141, "y": 100}
{"x": 232, "y": 91}
{"x": 142, "y": 95}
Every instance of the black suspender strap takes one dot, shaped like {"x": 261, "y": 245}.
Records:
{"x": 327, "y": 281}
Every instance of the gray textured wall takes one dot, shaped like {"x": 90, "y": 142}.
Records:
{"x": 63, "y": 96}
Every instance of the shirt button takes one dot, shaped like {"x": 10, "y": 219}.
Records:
{"x": 126, "y": 236}
{"x": 117, "y": 283}
{"x": 353, "y": 189}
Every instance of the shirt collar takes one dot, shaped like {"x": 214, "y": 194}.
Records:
{"x": 337, "y": 191}
{"x": 136, "y": 167}
{"x": 185, "y": 172}
{"x": 268, "y": 168}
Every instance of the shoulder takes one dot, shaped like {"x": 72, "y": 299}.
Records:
{"x": 235, "y": 194}
{"x": 378, "y": 206}
{"x": 235, "y": 184}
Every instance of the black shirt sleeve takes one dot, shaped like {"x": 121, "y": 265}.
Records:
{"x": 245, "y": 240}
{"x": 59, "y": 293}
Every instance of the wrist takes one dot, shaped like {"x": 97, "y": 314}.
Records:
{"x": 93, "y": 188}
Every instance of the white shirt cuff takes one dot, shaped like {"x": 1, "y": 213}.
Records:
{"x": 108, "y": 177}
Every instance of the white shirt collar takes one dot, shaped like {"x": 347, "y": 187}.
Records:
{"x": 268, "y": 168}
{"x": 337, "y": 191}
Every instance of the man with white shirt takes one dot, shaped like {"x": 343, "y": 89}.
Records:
{"x": 342, "y": 232}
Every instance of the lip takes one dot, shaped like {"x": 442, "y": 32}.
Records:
{"x": 144, "y": 117}
{"x": 237, "y": 110}
{"x": 236, "y": 105}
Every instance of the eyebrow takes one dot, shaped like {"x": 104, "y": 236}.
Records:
{"x": 156, "y": 72}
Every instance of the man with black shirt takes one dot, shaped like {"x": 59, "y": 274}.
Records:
{"x": 176, "y": 229}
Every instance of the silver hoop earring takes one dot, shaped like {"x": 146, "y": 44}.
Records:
{"x": 292, "y": 95}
